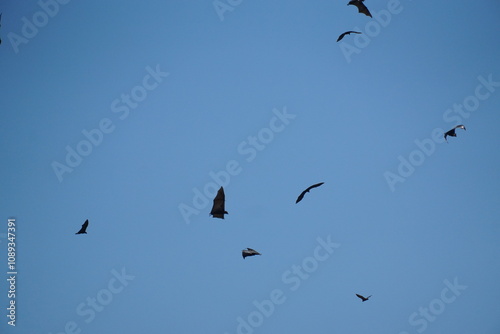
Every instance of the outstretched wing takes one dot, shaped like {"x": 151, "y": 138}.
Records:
{"x": 452, "y": 133}
{"x": 84, "y": 227}
{"x": 249, "y": 252}
{"x": 314, "y": 186}
{"x": 447, "y": 133}
{"x": 218, "y": 208}
{"x": 361, "y": 7}
{"x": 301, "y": 196}
{"x": 347, "y": 33}
{"x": 341, "y": 36}
{"x": 361, "y": 297}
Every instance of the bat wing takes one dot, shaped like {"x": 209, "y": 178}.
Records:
{"x": 450, "y": 133}
{"x": 347, "y": 33}
{"x": 218, "y": 209}
{"x": 249, "y": 252}
{"x": 361, "y": 7}
{"x": 84, "y": 227}
{"x": 314, "y": 186}
{"x": 301, "y": 196}
{"x": 341, "y": 36}
{"x": 245, "y": 253}
{"x": 254, "y": 252}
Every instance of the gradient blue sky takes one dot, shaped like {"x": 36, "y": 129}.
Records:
{"x": 179, "y": 94}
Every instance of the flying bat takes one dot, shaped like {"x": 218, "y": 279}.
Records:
{"x": 364, "y": 299}
{"x": 218, "y": 210}
{"x": 347, "y": 33}
{"x": 361, "y": 7}
{"x": 249, "y": 252}
{"x": 452, "y": 133}
{"x": 301, "y": 196}
{"x": 83, "y": 230}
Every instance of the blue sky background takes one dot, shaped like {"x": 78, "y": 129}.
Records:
{"x": 355, "y": 118}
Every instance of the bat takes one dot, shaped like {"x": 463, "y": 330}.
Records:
{"x": 218, "y": 210}
{"x": 347, "y": 33}
{"x": 452, "y": 133}
{"x": 83, "y": 230}
{"x": 361, "y": 7}
{"x": 301, "y": 196}
{"x": 364, "y": 299}
{"x": 249, "y": 252}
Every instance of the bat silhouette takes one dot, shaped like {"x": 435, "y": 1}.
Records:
{"x": 301, "y": 196}
{"x": 452, "y": 133}
{"x": 83, "y": 230}
{"x": 364, "y": 299}
{"x": 361, "y": 7}
{"x": 249, "y": 252}
{"x": 347, "y": 33}
{"x": 218, "y": 210}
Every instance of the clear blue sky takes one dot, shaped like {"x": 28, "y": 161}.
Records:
{"x": 132, "y": 114}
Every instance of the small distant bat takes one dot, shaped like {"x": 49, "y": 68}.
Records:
{"x": 347, "y": 33}
{"x": 364, "y": 299}
{"x": 218, "y": 209}
{"x": 452, "y": 133}
{"x": 361, "y": 7}
{"x": 83, "y": 230}
{"x": 301, "y": 196}
{"x": 249, "y": 252}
